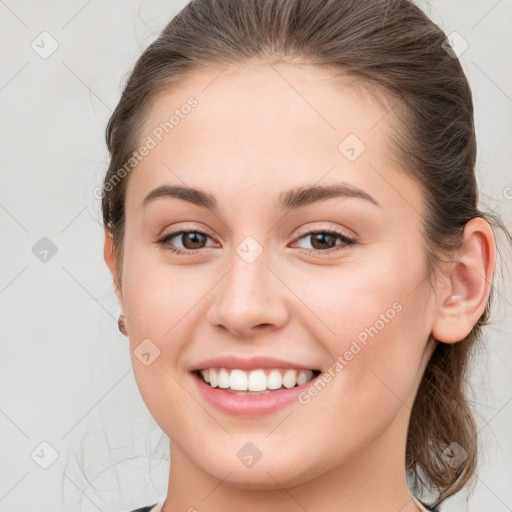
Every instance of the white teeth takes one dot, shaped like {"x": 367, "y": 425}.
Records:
{"x": 213, "y": 379}
{"x": 238, "y": 380}
{"x": 290, "y": 379}
{"x": 274, "y": 380}
{"x": 255, "y": 380}
{"x": 301, "y": 378}
{"x": 223, "y": 379}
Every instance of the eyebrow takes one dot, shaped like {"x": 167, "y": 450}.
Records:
{"x": 192, "y": 195}
{"x": 294, "y": 198}
{"x": 305, "y": 195}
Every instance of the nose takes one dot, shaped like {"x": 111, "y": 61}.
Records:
{"x": 249, "y": 300}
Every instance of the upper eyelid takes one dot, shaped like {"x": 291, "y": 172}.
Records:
{"x": 321, "y": 229}
{"x": 302, "y": 231}
{"x": 187, "y": 229}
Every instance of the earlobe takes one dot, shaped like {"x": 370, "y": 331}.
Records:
{"x": 462, "y": 300}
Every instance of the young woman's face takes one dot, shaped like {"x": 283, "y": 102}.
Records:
{"x": 258, "y": 276}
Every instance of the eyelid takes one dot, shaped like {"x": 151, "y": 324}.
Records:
{"x": 306, "y": 230}
{"x": 186, "y": 228}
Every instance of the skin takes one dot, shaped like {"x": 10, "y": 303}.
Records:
{"x": 255, "y": 133}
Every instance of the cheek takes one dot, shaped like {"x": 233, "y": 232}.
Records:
{"x": 364, "y": 291}
{"x": 375, "y": 323}
{"x": 157, "y": 305}
{"x": 156, "y": 294}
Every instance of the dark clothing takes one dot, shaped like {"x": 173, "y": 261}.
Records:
{"x": 145, "y": 509}
{"x": 434, "y": 509}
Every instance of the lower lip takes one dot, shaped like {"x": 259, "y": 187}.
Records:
{"x": 250, "y": 405}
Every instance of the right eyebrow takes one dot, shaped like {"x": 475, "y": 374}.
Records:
{"x": 191, "y": 195}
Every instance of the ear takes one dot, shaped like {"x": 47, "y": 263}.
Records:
{"x": 461, "y": 300}
{"x": 110, "y": 260}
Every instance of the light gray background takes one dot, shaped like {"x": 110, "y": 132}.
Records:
{"x": 65, "y": 370}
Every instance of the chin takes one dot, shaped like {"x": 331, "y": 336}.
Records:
{"x": 264, "y": 476}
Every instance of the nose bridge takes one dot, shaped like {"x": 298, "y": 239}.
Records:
{"x": 246, "y": 287}
{"x": 246, "y": 283}
{"x": 247, "y": 297}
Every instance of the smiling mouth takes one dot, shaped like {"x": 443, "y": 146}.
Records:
{"x": 255, "y": 382}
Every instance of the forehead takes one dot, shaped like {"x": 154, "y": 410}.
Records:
{"x": 261, "y": 128}
{"x": 256, "y": 102}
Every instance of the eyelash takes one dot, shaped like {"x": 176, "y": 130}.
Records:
{"x": 347, "y": 242}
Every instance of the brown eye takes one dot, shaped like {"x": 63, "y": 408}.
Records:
{"x": 323, "y": 240}
{"x": 182, "y": 241}
{"x": 193, "y": 240}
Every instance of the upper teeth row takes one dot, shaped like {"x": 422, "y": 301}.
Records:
{"x": 255, "y": 380}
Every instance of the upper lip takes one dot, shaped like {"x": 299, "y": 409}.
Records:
{"x": 252, "y": 363}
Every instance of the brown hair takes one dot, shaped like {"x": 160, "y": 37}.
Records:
{"x": 386, "y": 47}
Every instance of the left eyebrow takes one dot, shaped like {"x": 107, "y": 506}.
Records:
{"x": 305, "y": 195}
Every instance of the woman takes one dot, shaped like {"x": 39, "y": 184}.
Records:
{"x": 292, "y": 227}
